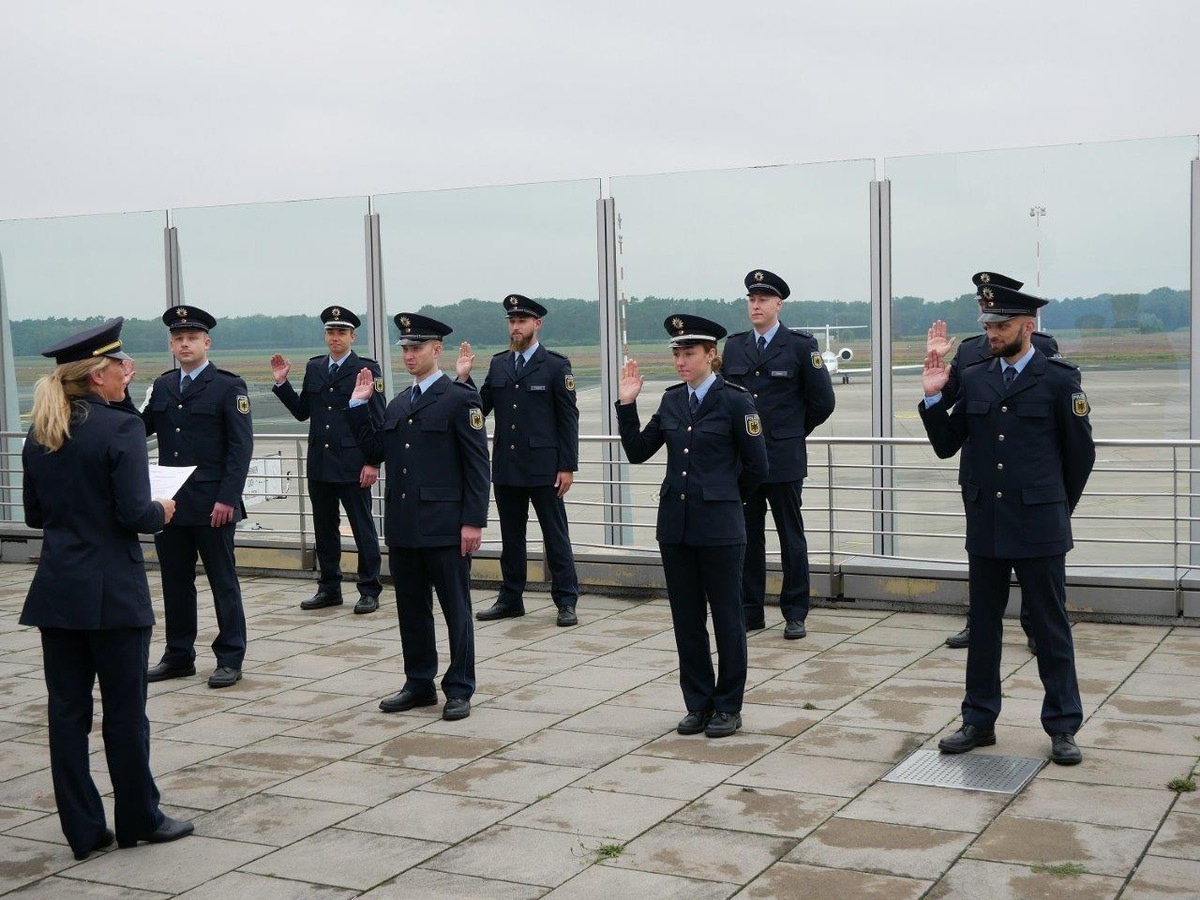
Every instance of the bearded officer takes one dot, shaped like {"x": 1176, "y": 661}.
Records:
{"x": 1025, "y": 417}
{"x": 337, "y": 472}
{"x": 535, "y": 453}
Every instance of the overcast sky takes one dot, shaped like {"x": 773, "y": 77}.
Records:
{"x": 117, "y": 106}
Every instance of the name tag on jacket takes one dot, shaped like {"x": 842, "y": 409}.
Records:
{"x": 538, "y": 387}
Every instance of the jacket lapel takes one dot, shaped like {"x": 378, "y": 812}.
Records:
{"x": 1028, "y": 378}
{"x": 427, "y": 397}
{"x": 778, "y": 342}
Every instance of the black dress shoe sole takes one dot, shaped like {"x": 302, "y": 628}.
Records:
{"x": 105, "y": 840}
{"x": 698, "y": 728}
{"x": 163, "y": 835}
{"x": 489, "y": 615}
{"x": 407, "y": 705}
{"x": 310, "y": 605}
{"x": 986, "y": 741}
{"x": 794, "y": 635}
{"x": 723, "y": 731}
{"x": 366, "y": 605}
{"x": 454, "y": 713}
{"x": 565, "y": 621}
{"x": 168, "y": 674}
{"x": 1066, "y": 761}
{"x": 216, "y": 683}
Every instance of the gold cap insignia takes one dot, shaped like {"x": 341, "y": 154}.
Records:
{"x": 753, "y": 425}
{"x": 336, "y": 313}
{"x": 476, "y": 417}
{"x": 988, "y": 293}
{"x": 759, "y": 276}
{"x": 984, "y": 277}
{"x": 512, "y": 301}
{"x": 181, "y": 311}
{"x": 405, "y": 321}
{"x": 677, "y": 324}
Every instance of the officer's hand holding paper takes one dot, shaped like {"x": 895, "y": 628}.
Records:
{"x": 165, "y": 481}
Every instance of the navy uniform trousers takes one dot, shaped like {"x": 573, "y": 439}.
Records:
{"x": 326, "y": 497}
{"x": 785, "y": 500}
{"x": 417, "y": 572}
{"x": 73, "y": 660}
{"x": 177, "y": 547}
{"x": 512, "y": 508}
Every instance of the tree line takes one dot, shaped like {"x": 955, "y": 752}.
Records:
{"x": 574, "y": 321}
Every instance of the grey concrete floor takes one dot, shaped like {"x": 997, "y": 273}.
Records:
{"x": 568, "y": 780}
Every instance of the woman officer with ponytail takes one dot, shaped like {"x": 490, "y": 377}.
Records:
{"x": 86, "y": 485}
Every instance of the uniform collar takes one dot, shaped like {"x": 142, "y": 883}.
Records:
{"x": 702, "y": 391}
{"x": 1020, "y": 364}
{"x": 769, "y": 334}
{"x": 195, "y": 373}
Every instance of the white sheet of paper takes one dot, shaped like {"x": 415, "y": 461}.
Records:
{"x": 165, "y": 481}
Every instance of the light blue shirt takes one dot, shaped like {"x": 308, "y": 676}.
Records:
{"x": 528, "y": 354}
{"x": 702, "y": 391}
{"x": 195, "y": 373}
{"x": 345, "y": 357}
{"x": 769, "y": 334}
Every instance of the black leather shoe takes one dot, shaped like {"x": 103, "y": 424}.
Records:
{"x": 104, "y": 840}
{"x": 366, "y": 605}
{"x": 169, "y": 830}
{"x": 794, "y": 630}
{"x": 967, "y": 738}
{"x": 1064, "y": 750}
{"x": 755, "y": 624}
{"x": 163, "y": 671}
{"x": 723, "y": 724}
{"x": 456, "y": 708}
{"x": 693, "y": 722}
{"x": 1032, "y": 645}
{"x": 406, "y": 700}
{"x": 566, "y": 616}
{"x": 499, "y": 610}
{"x": 320, "y": 600}
{"x": 224, "y": 676}
{"x": 960, "y": 640}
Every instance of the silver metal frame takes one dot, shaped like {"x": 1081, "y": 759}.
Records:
{"x": 614, "y": 468}
{"x": 882, "y": 408}
{"x": 381, "y": 344}
{"x": 1194, "y": 400}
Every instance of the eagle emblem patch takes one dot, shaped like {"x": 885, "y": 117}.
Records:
{"x": 243, "y": 404}
{"x": 1079, "y": 404}
{"x": 379, "y": 384}
{"x": 570, "y": 382}
{"x": 476, "y": 418}
{"x": 753, "y": 425}
{"x": 817, "y": 360}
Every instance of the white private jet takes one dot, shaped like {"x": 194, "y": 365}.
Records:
{"x": 834, "y": 359}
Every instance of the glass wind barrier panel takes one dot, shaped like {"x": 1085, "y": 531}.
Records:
{"x": 455, "y": 255}
{"x": 265, "y": 271}
{"x": 58, "y": 276}
{"x": 686, "y": 242}
{"x": 1102, "y": 232}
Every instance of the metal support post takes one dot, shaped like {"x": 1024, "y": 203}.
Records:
{"x": 614, "y": 470}
{"x": 883, "y": 456}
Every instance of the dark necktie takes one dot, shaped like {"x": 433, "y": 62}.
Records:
{"x": 1010, "y": 375}
{"x": 333, "y": 367}
{"x": 762, "y": 343}
{"x": 520, "y": 364}
{"x": 184, "y": 384}
{"x": 416, "y": 392}
{"x": 694, "y": 404}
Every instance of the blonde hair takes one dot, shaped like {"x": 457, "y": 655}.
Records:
{"x": 57, "y": 400}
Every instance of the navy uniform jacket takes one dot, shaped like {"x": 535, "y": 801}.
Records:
{"x": 333, "y": 451}
{"x": 791, "y": 390}
{"x": 536, "y": 421}
{"x": 91, "y": 498}
{"x": 713, "y": 463}
{"x": 208, "y": 428}
{"x": 1031, "y": 455}
{"x": 437, "y": 463}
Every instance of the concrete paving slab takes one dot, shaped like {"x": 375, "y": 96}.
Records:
{"x": 605, "y": 882}
{"x": 427, "y": 816}
{"x": 599, "y": 814}
{"x": 1179, "y": 837}
{"x": 790, "y": 881}
{"x": 207, "y": 787}
{"x": 817, "y": 775}
{"x": 1162, "y": 878}
{"x": 612, "y": 718}
{"x": 925, "y": 807}
{"x": 349, "y": 859}
{"x": 273, "y": 819}
{"x": 426, "y": 884}
{"x": 1100, "y": 849}
{"x": 602, "y": 678}
{"x": 347, "y": 781}
{"x": 260, "y": 887}
{"x": 759, "y": 810}
{"x": 707, "y": 853}
{"x": 421, "y": 750}
{"x": 845, "y": 742}
{"x": 738, "y": 750}
{"x": 226, "y": 729}
{"x": 169, "y": 868}
{"x": 286, "y": 755}
{"x": 551, "y": 699}
{"x": 1099, "y": 804}
{"x": 506, "y": 853}
{"x": 785, "y": 721}
{"x": 506, "y": 779}
{"x": 361, "y": 726}
{"x": 882, "y": 848}
{"x": 57, "y": 888}
{"x": 1123, "y": 768}
{"x": 558, "y": 747}
{"x": 896, "y": 715}
{"x": 972, "y": 879}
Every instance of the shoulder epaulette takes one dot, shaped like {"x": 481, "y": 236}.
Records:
{"x": 318, "y": 356}
{"x": 976, "y": 362}
{"x": 368, "y": 359}
{"x": 1044, "y": 334}
{"x": 1065, "y": 363}
{"x": 230, "y": 374}
{"x": 801, "y": 332}
{"x": 736, "y": 387}
{"x": 463, "y": 384}
{"x": 556, "y": 353}
{"x": 676, "y": 387}
{"x": 501, "y": 353}
{"x": 738, "y": 334}
{"x": 169, "y": 372}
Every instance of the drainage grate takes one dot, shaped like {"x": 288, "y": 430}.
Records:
{"x": 969, "y": 771}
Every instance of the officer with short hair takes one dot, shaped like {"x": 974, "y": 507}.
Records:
{"x": 784, "y": 371}
{"x": 1025, "y": 416}
{"x": 972, "y": 350}
{"x": 337, "y": 471}
{"x": 435, "y": 509}
{"x": 535, "y": 452}
{"x": 201, "y": 415}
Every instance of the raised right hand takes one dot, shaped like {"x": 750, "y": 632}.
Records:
{"x": 168, "y": 506}
{"x": 364, "y": 385}
{"x": 466, "y": 359}
{"x": 937, "y": 339}
{"x": 631, "y": 382}
{"x": 280, "y": 368}
{"x": 935, "y": 374}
